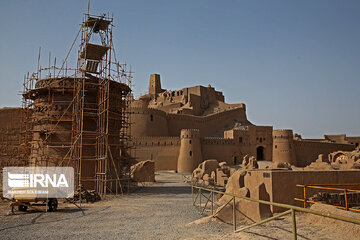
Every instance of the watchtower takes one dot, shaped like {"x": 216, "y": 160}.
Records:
{"x": 190, "y": 155}
{"x": 283, "y": 146}
{"x": 154, "y": 84}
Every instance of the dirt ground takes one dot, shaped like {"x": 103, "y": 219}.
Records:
{"x": 157, "y": 211}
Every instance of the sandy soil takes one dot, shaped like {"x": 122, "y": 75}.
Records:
{"x": 158, "y": 211}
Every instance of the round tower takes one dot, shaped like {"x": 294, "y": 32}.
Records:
{"x": 190, "y": 155}
{"x": 51, "y": 126}
{"x": 283, "y": 146}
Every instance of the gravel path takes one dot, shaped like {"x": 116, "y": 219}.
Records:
{"x": 159, "y": 211}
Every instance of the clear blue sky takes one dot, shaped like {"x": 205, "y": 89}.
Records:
{"x": 296, "y": 64}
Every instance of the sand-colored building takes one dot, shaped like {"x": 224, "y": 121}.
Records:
{"x": 179, "y": 129}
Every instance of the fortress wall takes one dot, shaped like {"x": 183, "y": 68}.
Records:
{"x": 163, "y": 150}
{"x": 208, "y": 125}
{"x": 167, "y": 124}
{"x": 169, "y": 107}
{"x": 223, "y": 150}
{"x": 287, "y": 180}
{"x": 10, "y": 118}
{"x": 10, "y": 137}
{"x": 281, "y": 184}
{"x": 148, "y": 122}
{"x": 308, "y": 151}
{"x": 10, "y": 125}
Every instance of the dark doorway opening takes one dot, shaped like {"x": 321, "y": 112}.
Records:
{"x": 235, "y": 160}
{"x": 260, "y": 153}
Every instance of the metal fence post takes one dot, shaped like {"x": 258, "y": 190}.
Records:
{"x": 212, "y": 203}
{"x": 200, "y": 198}
{"x": 234, "y": 214}
{"x": 305, "y": 196}
{"x": 346, "y": 201}
{"x": 294, "y": 224}
{"x": 192, "y": 193}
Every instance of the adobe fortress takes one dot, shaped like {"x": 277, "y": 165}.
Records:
{"x": 179, "y": 129}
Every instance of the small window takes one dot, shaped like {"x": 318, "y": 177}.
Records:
{"x": 260, "y": 139}
{"x": 151, "y": 118}
{"x": 240, "y": 140}
{"x": 275, "y": 146}
{"x": 290, "y": 146}
{"x": 190, "y": 141}
{"x": 190, "y": 153}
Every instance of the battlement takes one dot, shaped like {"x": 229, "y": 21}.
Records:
{"x": 156, "y": 141}
{"x": 217, "y": 141}
{"x": 190, "y": 133}
{"x": 153, "y": 137}
{"x": 283, "y": 133}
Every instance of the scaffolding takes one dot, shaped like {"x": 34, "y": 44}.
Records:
{"x": 80, "y": 117}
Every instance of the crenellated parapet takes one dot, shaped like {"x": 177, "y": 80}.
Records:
{"x": 283, "y": 146}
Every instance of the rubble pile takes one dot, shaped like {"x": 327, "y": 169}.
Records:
{"x": 143, "y": 171}
{"x": 86, "y": 196}
{"x": 280, "y": 165}
{"x": 249, "y": 162}
{"x": 211, "y": 172}
{"x": 339, "y": 160}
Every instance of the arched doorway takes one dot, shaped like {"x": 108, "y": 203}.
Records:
{"x": 260, "y": 153}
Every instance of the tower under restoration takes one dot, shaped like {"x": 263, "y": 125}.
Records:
{"x": 79, "y": 116}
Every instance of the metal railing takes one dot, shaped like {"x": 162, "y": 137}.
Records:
{"x": 330, "y": 187}
{"x": 291, "y": 209}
